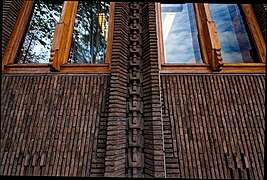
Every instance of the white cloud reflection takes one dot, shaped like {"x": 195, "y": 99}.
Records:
{"x": 180, "y": 33}
{"x": 234, "y": 41}
{"x": 177, "y": 34}
{"x": 167, "y": 24}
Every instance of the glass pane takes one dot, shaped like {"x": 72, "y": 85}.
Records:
{"x": 235, "y": 43}
{"x": 37, "y": 44}
{"x": 90, "y": 33}
{"x": 180, "y": 34}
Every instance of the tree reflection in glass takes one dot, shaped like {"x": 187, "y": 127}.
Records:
{"x": 179, "y": 28}
{"x": 90, "y": 33}
{"x": 38, "y": 40}
{"x": 235, "y": 43}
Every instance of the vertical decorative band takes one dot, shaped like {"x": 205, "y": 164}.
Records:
{"x": 135, "y": 158}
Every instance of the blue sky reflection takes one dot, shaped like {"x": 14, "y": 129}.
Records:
{"x": 235, "y": 43}
{"x": 180, "y": 34}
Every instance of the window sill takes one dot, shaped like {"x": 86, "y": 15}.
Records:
{"x": 241, "y": 68}
{"x": 64, "y": 69}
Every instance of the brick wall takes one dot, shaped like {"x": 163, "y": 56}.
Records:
{"x": 214, "y": 126}
{"x": 201, "y": 126}
{"x": 53, "y": 125}
{"x": 115, "y": 160}
{"x": 153, "y": 135}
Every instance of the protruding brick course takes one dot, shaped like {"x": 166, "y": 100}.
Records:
{"x": 135, "y": 125}
{"x": 115, "y": 163}
{"x": 153, "y": 125}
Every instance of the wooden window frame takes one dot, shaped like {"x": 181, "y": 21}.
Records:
{"x": 60, "y": 46}
{"x": 210, "y": 46}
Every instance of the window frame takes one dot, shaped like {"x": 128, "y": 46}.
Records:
{"x": 209, "y": 38}
{"x": 58, "y": 55}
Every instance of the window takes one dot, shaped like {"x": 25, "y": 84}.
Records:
{"x": 63, "y": 37}
{"x": 90, "y": 33}
{"x": 179, "y": 25}
{"x": 39, "y": 36}
{"x": 236, "y": 46}
{"x": 205, "y": 38}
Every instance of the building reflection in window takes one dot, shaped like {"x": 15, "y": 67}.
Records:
{"x": 235, "y": 43}
{"x": 38, "y": 40}
{"x": 180, "y": 34}
{"x": 90, "y": 33}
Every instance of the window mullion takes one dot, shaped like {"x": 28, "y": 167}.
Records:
{"x": 201, "y": 19}
{"x": 17, "y": 33}
{"x": 209, "y": 40}
{"x": 70, "y": 31}
{"x": 62, "y": 37}
{"x": 159, "y": 35}
{"x": 110, "y": 34}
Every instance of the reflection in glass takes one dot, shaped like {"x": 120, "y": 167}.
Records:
{"x": 180, "y": 34}
{"x": 90, "y": 33}
{"x": 37, "y": 45}
{"x": 235, "y": 44}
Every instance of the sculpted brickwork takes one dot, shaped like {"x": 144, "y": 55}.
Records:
{"x": 135, "y": 158}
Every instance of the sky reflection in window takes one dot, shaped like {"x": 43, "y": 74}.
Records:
{"x": 180, "y": 34}
{"x": 235, "y": 44}
{"x": 37, "y": 44}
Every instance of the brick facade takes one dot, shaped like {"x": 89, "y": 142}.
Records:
{"x": 133, "y": 122}
{"x": 53, "y": 125}
{"x": 214, "y": 126}
{"x": 115, "y": 160}
{"x": 153, "y": 135}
